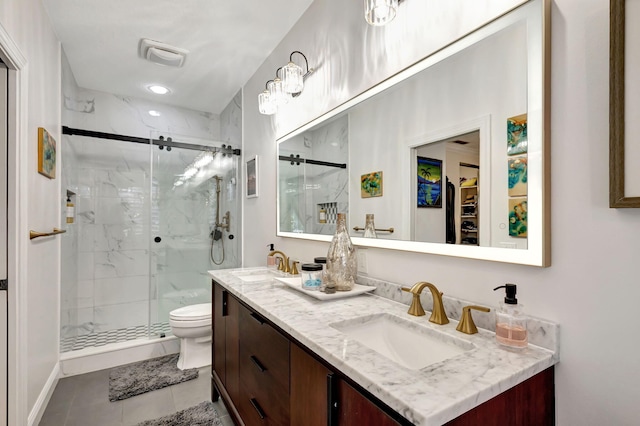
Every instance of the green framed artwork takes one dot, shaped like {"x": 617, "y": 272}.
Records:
{"x": 371, "y": 185}
{"x": 517, "y": 176}
{"x": 518, "y": 217}
{"x": 46, "y": 154}
{"x": 517, "y": 135}
{"x": 429, "y": 192}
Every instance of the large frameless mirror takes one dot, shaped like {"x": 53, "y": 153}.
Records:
{"x": 448, "y": 155}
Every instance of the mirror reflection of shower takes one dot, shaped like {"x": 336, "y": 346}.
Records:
{"x": 216, "y": 233}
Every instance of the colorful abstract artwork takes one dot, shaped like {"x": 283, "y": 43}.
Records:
{"x": 517, "y": 135}
{"x": 371, "y": 185}
{"x": 518, "y": 176}
{"x": 46, "y": 154}
{"x": 429, "y": 192}
{"x": 518, "y": 217}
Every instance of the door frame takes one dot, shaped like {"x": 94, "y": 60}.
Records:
{"x": 17, "y": 202}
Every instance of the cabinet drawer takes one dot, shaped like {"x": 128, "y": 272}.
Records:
{"x": 263, "y": 347}
{"x": 264, "y": 372}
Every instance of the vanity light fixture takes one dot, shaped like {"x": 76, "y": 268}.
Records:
{"x": 292, "y": 75}
{"x": 287, "y": 84}
{"x": 380, "y": 12}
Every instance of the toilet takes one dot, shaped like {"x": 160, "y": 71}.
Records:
{"x": 192, "y": 324}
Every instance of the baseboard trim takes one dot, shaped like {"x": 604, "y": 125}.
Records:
{"x": 35, "y": 415}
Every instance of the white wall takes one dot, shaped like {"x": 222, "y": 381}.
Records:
{"x": 591, "y": 288}
{"x": 28, "y": 25}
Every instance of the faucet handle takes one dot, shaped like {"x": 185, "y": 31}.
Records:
{"x": 416, "y": 308}
{"x": 466, "y": 324}
{"x": 294, "y": 267}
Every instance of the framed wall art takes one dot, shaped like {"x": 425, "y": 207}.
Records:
{"x": 371, "y": 185}
{"x": 429, "y": 182}
{"x": 46, "y": 154}
{"x": 624, "y": 65}
{"x": 252, "y": 177}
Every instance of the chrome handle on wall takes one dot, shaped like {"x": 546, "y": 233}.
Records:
{"x": 35, "y": 234}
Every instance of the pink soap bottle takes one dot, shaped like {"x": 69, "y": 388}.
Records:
{"x": 511, "y": 323}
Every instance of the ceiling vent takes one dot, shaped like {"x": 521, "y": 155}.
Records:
{"x": 161, "y": 53}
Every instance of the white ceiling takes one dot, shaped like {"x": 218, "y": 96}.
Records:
{"x": 227, "y": 42}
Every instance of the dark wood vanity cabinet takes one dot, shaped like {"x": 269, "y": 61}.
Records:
{"x": 266, "y": 378}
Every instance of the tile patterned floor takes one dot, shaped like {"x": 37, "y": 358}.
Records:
{"x": 102, "y": 338}
{"x": 83, "y": 400}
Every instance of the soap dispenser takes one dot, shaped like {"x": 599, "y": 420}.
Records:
{"x": 511, "y": 323}
{"x": 271, "y": 260}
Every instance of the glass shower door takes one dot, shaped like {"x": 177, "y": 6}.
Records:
{"x": 194, "y": 215}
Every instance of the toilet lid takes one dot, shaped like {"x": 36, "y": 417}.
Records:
{"x": 192, "y": 312}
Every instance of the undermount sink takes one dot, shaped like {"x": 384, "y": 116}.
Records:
{"x": 404, "y": 342}
{"x": 254, "y": 275}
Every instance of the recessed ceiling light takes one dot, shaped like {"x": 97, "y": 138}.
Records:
{"x": 154, "y": 113}
{"x": 160, "y": 90}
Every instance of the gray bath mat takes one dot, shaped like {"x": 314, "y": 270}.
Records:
{"x": 145, "y": 376}
{"x": 200, "y": 415}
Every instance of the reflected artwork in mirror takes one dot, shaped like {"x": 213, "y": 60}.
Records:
{"x": 461, "y": 139}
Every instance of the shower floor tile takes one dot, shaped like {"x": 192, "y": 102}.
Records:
{"x": 112, "y": 336}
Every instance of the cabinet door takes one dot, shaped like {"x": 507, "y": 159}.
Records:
{"x": 309, "y": 402}
{"x": 354, "y": 409}
{"x": 232, "y": 347}
{"x": 225, "y": 339}
{"x": 218, "y": 353}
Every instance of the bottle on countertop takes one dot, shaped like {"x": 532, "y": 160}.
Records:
{"x": 271, "y": 260}
{"x": 322, "y": 260}
{"x": 341, "y": 259}
{"x": 511, "y": 323}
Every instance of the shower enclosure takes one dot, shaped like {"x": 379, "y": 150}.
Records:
{"x": 151, "y": 219}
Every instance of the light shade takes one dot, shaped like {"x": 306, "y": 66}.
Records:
{"x": 379, "y": 12}
{"x": 277, "y": 93}
{"x": 292, "y": 80}
{"x": 265, "y": 103}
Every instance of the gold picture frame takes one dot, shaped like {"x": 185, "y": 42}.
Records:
{"x": 617, "y": 196}
{"x": 46, "y": 154}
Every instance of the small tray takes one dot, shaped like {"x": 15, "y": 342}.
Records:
{"x": 294, "y": 283}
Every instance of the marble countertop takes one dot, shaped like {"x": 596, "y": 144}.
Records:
{"x": 431, "y": 396}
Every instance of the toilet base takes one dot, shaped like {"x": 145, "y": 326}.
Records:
{"x": 194, "y": 352}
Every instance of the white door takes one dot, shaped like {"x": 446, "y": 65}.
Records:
{"x": 3, "y": 243}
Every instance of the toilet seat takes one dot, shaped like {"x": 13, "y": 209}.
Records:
{"x": 191, "y": 313}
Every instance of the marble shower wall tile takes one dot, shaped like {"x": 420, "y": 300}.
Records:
{"x": 112, "y": 317}
{"x": 113, "y": 291}
{"x": 118, "y": 264}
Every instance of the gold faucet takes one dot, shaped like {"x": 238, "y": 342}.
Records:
{"x": 438, "y": 315}
{"x": 284, "y": 264}
{"x": 466, "y": 324}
